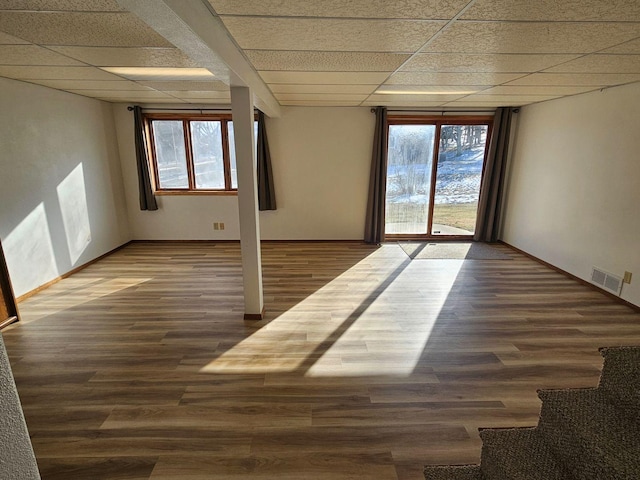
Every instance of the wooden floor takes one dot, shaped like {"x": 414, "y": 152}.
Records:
{"x": 368, "y": 365}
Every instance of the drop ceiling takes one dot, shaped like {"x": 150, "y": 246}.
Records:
{"x": 420, "y": 53}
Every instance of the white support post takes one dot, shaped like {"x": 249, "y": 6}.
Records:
{"x": 242, "y": 111}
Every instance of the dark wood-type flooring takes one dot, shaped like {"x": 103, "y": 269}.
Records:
{"x": 368, "y": 365}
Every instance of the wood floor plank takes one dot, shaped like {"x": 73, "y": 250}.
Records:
{"x": 367, "y": 365}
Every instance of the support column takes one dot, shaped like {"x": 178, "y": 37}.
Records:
{"x": 242, "y": 111}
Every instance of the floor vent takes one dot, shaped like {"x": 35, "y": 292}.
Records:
{"x": 606, "y": 280}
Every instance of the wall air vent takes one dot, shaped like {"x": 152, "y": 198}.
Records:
{"x": 606, "y": 280}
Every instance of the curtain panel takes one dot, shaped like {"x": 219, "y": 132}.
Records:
{"x": 374, "y": 225}
{"x": 492, "y": 187}
{"x": 147, "y": 198}
{"x": 266, "y": 190}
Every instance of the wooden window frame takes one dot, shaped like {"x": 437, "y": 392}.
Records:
{"x": 186, "y": 119}
{"x": 438, "y": 122}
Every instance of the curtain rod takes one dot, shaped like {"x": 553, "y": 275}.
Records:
{"x": 440, "y": 112}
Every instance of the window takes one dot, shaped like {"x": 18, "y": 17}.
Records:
{"x": 193, "y": 154}
{"x": 434, "y": 170}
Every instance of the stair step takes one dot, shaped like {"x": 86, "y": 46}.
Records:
{"x": 596, "y": 440}
{"x": 452, "y": 472}
{"x": 518, "y": 454}
{"x": 621, "y": 376}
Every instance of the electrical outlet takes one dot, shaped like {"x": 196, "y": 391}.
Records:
{"x": 216, "y": 226}
{"x": 221, "y": 225}
{"x": 627, "y": 277}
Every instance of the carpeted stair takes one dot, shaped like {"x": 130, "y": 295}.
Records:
{"x": 582, "y": 434}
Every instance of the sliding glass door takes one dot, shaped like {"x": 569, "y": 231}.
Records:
{"x": 434, "y": 170}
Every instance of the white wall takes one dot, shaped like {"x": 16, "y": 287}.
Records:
{"x": 574, "y": 188}
{"x": 320, "y": 159}
{"x": 61, "y": 195}
{"x": 16, "y": 453}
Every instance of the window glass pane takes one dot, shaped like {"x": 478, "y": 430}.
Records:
{"x": 409, "y": 178}
{"x": 460, "y": 162}
{"x": 232, "y": 151}
{"x": 208, "y": 164}
{"x": 171, "y": 159}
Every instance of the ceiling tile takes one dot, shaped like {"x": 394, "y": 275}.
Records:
{"x": 55, "y": 73}
{"x": 6, "y": 39}
{"x": 319, "y": 103}
{"x": 62, "y": 5}
{"x": 412, "y": 98}
{"x": 628, "y": 47}
{"x": 141, "y": 94}
{"x": 542, "y": 37}
{"x": 503, "y": 63}
{"x": 198, "y": 94}
{"x": 148, "y": 101}
{"x": 86, "y": 29}
{"x": 594, "y": 79}
{"x": 325, "y": 61}
{"x": 128, "y": 56}
{"x": 600, "y": 64}
{"x": 552, "y": 10}
{"x": 91, "y": 84}
{"x": 186, "y": 85}
{"x": 400, "y": 103}
{"x": 331, "y": 34}
{"x": 407, "y": 9}
{"x": 460, "y": 78}
{"x": 490, "y": 104}
{"x": 513, "y": 100}
{"x": 325, "y": 78}
{"x": 33, "y": 55}
{"x": 334, "y": 97}
{"x": 536, "y": 90}
{"x": 307, "y": 88}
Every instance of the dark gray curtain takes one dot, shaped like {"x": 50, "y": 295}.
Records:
{"x": 374, "y": 226}
{"x": 491, "y": 189}
{"x": 147, "y": 199}
{"x": 266, "y": 192}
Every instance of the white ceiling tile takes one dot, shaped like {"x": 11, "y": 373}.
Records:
{"x": 491, "y": 104}
{"x": 535, "y": 37}
{"x": 55, "y": 73}
{"x": 153, "y": 102}
{"x": 401, "y": 103}
{"x": 506, "y": 99}
{"x": 325, "y": 78}
{"x": 593, "y": 79}
{"x": 334, "y": 97}
{"x": 62, "y": 5}
{"x": 79, "y": 28}
{"x": 6, "y": 39}
{"x": 198, "y": 94}
{"x": 407, "y": 9}
{"x": 141, "y": 94}
{"x": 600, "y": 64}
{"x": 555, "y": 11}
{"x": 458, "y": 78}
{"x": 91, "y": 84}
{"x": 502, "y": 63}
{"x": 128, "y": 56}
{"x": 331, "y": 34}
{"x": 33, "y": 55}
{"x": 325, "y": 61}
{"x": 536, "y": 90}
{"x": 186, "y": 85}
{"x": 307, "y": 88}
{"x": 632, "y": 47}
{"x": 413, "y": 98}
{"x": 319, "y": 103}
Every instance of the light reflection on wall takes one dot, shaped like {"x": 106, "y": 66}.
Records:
{"x": 29, "y": 252}
{"x": 75, "y": 213}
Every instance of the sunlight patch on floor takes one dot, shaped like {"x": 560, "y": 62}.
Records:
{"x": 351, "y": 327}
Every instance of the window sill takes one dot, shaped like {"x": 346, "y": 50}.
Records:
{"x": 224, "y": 193}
